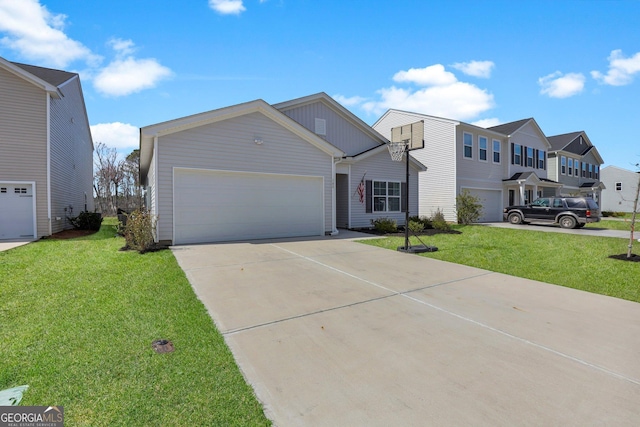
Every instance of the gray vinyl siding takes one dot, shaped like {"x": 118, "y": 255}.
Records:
{"x": 151, "y": 186}
{"x": 229, "y": 145}
{"x": 484, "y": 173}
{"x": 553, "y": 167}
{"x": 339, "y": 131}
{"x": 379, "y": 168}
{"x": 438, "y": 184}
{"x": 23, "y": 139}
{"x": 71, "y": 157}
{"x": 618, "y": 201}
{"x": 528, "y": 136}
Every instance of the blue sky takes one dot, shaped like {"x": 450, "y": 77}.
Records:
{"x": 572, "y": 65}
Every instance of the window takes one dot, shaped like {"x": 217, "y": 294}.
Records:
{"x": 386, "y": 196}
{"x": 570, "y": 166}
{"x": 584, "y": 170}
{"x": 321, "y": 126}
{"x": 541, "y": 160}
{"x": 541, "y": 203}
{"x": 483, "y": 147}
{"x": 496, "y": 151}
{"x": 529, "y": 157}
{"x": 563, "y": 165}
{"x": 18, "y": 190}
{"x": 590, "y": 170}
{"x": 618, "y": 186}
{"x": 576, "y": 170}
{"x": 517, "y": 154}
{"x": 596, "y": 171}
{"x": 3, "y": 190}
{"x": 468, "y": 145}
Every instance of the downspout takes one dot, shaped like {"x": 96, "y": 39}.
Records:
{"x": 48, "y": 166}
{"x": 334, "y": 228}
{"x": 155, "y": 186}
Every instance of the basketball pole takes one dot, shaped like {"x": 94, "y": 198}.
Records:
{"x": 406, "y": 200}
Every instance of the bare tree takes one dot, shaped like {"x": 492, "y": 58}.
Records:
{"x": 116, "y": 181}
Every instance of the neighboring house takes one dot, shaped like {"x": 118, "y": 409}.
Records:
{"x": 502, "y": 165}
{"x": 575, "y": 163}
{"x": 621, "y": 186}
{"x": 46, "y": 151}
{"x": 256, "y": 170}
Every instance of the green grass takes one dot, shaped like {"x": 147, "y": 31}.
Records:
{"x": 77, "y": 319}
{"x": 580, "y": 262}
{"x": 612, "y": 224}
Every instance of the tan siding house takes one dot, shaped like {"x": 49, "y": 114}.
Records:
{"x": 46, "y": 151}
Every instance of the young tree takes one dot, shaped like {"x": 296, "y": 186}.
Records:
{"x": 633, "y": 215}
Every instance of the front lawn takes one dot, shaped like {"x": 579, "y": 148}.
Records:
{"x": 575, "y": 261}
{"x": 77, "y": 320}
{"x": 612, "y": 224}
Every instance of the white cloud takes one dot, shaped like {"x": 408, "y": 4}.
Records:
{"x": 227, "y": 7}
{"x": 487, "y": 123}
{"x": 126, "y": 75}
{"x": 349, "y": 101}
{"x": 480, "y": 69}
{"x": 621, "y": 69}
{"x": 428, "y": 76}
{"x": 557, "y": 85}
{"x": 38, "y": 35}
{"x": 121, "y": 136}
{"x": 443, "y": 95}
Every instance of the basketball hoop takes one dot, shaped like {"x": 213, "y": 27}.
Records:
{"x": 396, "y": 149}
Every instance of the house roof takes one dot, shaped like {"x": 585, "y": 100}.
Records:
{"x": 382, "y": 148}
{"x": 559, "y": 142}
{"x": 149, "y": 133}
{"x": 565, "y": 142}
{"x": 511, "y": 127}
{"x": 531, "y": 177}
{"x": 49, "y": 75}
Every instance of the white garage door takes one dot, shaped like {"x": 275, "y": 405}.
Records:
{"x": 214, "y": 206}
{"x": 16, "y": 211}
{"x": 491, "y": 204}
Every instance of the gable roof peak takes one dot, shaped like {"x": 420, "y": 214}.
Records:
{"x": 511, "y": 127}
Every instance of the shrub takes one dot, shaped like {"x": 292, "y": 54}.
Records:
{"x": 425, "y": 221}
{"x": 416, "y": 226}
{"x": 438, "y": 221}
{"x": 86, "y": 221}
{"x": 385, "y": 225}
{"x": 469, "y": 207}
{"x": 139, "y": 231}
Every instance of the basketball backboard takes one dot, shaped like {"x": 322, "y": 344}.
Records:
{"x": 413, "y": 134}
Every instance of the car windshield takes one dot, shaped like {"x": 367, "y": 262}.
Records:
{"x": 592, "y": 204}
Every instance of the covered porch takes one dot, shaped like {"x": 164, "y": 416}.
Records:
{"x": 524, "y": 187}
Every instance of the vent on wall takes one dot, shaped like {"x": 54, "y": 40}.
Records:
{"x": 321, "y": 126}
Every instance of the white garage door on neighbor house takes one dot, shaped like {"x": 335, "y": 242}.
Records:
{"x": 214, "y": 206}
{"x": 16, "y": 211}
{"x": 491, "y": 204}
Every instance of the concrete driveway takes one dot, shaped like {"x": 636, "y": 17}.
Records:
{"x": 330, "y": 332}
{"x": 5, "y": 245}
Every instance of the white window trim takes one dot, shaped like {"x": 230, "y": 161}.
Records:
{"x": 464, "y": 145}
{"x": 386, "y": 196}
{"x": 517, "y": 148}
{"x": 570, "y": 166}
{"x": 533, "y": 158}
{"x": 619, "y": 184}
{"x": 493, "y": 152}
{"x": 486, "y": 149}
{"x": 563, "y": 172}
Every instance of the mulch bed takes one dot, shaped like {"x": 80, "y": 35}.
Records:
{"x": 71, "y": 234}
{"x": 623, "y": 257}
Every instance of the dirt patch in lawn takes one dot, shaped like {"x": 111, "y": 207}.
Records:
{"x": 623, "y": 257}
{"x": 71, "y": 234}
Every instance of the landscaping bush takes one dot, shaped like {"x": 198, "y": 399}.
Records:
{"x": 385, "y": 225}
{"x": 86, "y": 221}
{"x": 438, "y": 221}
{"x": 139, "y": 231}
{"x": 425, "y": 221}
{"x": 613, "y": 214}
{"x": 416, "y": 226}
{"x": 469, "y": 207}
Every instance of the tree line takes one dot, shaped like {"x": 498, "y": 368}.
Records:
{"x": 116, "y": 181}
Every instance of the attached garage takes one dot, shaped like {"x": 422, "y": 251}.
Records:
{"x": 491, "y": 204}
{"x": 17, "y": 210}
{"x": 214, "y": 205}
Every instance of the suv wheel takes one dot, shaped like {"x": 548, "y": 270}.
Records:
{"x": 515, "y": 218}
{"x": 568, "y": 222}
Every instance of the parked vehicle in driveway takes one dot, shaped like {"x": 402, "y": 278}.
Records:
{"x": 568, "y": 212}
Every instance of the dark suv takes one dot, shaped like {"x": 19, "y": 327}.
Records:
{"x": 569, "y": 212}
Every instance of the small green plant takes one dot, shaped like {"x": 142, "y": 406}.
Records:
{"x": 469, "y": 207}
{"x": 438, "y": 221}
{"x": 424, "y": 220}
{"x": 385, "y": 225}
{"x": 140, "y": 230}
{"x": 416, "y": 226}
{"x": 86, "y": 221}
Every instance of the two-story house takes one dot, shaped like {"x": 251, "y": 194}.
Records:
{"x": 46, "y": 151}
{"x": 620, "y": 189}
{"x": 575, "y": 163}
{"x": 501, "y": 165}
